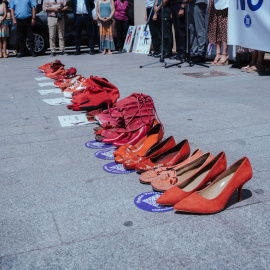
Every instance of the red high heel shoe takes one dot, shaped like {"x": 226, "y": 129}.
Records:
{"x": 214, "y": 197}
{"x": 154, "y": 151}
{"x": 206, "y": 174}
{"x": 171, "y": 157}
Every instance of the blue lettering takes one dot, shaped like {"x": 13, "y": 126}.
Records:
{"x": 241, "y": 4}
{"x": 255, "y": 7}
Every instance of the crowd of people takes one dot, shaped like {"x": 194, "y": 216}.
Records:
{"x": 103, "y": 18}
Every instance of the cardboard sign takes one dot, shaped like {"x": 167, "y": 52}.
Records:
{"x": 142, "y": 41}
{"x": 50, "y": 91}
{"x": 129, "y": 38}
{"x": 73, "y": 120}
{"x": 57, "y": 101}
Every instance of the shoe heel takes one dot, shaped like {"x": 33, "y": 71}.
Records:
{"x": 240, "y": 193}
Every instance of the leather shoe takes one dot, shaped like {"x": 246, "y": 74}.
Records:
{"x": 91, "y": 52}
{"x": 33, "y": 54}
{"x": 151, "y": 53}
{"x": 157, "y": 55}
{"x": 173, "y": 57}
{"x": 77, "y": 53}
{"x": 167, "y": 55}
{"x": 19, "y": 55}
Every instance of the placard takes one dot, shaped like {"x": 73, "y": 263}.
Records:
{"x": 50, "y": 91}
{"x": 73, "y": 120}
{"x": 142, "y": 40}
{"x": 129, "y": 38}
{"x": 57, "y": 101}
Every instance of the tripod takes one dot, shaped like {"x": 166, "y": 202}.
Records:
{"x": 188, "y": 60}
{"x": 161, "y": 60}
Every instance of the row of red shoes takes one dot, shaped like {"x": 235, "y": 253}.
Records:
{"x": 197, "y": 183}
{"x": 92, "y": 94}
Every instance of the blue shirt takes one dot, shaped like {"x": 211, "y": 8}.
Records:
{"x": 22, "y": 8}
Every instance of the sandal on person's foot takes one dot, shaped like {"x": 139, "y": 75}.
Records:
{"x": 244, "y": 69}
{"x": 217, "y": 58}
{"x": 256, "y": 68}
{"x": 223, "y": 62}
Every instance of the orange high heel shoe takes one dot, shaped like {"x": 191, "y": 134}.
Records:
{"x": 155, "y": 135}
{"x": 224, "y": 62}
{"x": 214, "y": 197}
{"x": 206, "y": 174}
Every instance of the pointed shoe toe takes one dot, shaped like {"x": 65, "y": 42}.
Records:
{"x": 171, "y": 196}
{"x": 215, "y": 196}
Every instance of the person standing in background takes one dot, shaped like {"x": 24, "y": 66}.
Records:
{"x": 197, "y": 29}
{"x": 23, "y": 14}
{"x": 56, "y": 21}
{"x": 122, "y": 23}
{"x": 217, "y": 30}
{"x": 4, "y": 30}
{"x": 167, "y": 26}
{"x": 153, "y": 26}
{"x": 82, "y": 10}
{"x": 178, "y": 17}
{"x": 105, "y": 12}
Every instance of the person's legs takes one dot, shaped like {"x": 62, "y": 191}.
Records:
{"x": 21, "y": 35}
{"x": 124, "y": 33}
{"x": 61, "y": 34}
{"x": 89, "y": 31}
{"x": 52, "y": 32}
{"x": 200, "y": 28}
{"x": 119, "y": 29}
{"x": 78, "y": 32}
{"x": 192, "y": 31}
{"x": 30, "y": 35}
{"x": 179, "y": 27}
{"x": 218, "y": 53}
{"x": 167, "y": 31}
{"x": 1, "y": 47}
{"x": 153, "y": 26}
{"x": 4, "y": 41}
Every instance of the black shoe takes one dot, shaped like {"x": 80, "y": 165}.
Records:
{"x": 77, "y": 53}
{"x": 33, "y": 54}
{"x": 19, "y": 55}
{"x": 91, "y": 52}
{"x": 196, "y": 59}
{"x": 151, "y": 53}
{"x": 157, "y": 55}
{"x": 181, "y": 58}
{"x": 173, "y": 57}
{"x": 53, "y": 54}
{"x": 167, "y": 55}
{"x": 64, "y": 53}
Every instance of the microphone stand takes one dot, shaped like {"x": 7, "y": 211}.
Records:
{"x": 161, "y": 60}
{"x": 188, "y": 60}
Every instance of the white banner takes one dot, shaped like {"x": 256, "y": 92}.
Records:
{"x": 248, "y": 24}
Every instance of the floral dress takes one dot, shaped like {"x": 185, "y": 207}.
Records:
{"x": 4, "y": 29}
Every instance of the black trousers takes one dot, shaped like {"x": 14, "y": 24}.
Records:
{"x": 122, "y": 28}
{"x": 180, "y": 29}
{"x": 153, "y": 26}
{"x": 96, "y": 37}
{"x": 83, "y": 21}
{"x": 25, "y": 30}
{"x": 167, "y": 30}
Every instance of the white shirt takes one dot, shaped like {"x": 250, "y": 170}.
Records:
{"x": 150, "y": 3}
{"x": 221, "y": 4}
{"x": 81, "y": 8}
{"x": 94, "y": 12}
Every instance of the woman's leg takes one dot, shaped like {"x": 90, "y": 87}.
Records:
{"x": 5, "y": 46}
{"x": 224, "y": 56}
{"x": 1, "y": 54}
{"x": 218, "y": 53}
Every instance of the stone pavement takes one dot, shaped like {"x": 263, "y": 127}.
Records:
{"x": 60, "y": 210}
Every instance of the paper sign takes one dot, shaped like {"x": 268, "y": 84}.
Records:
{"x": 105, "y": 154}
{"x": 97, "y": 145}
{"x": 113, "y": 167}
{"x": 42, "y": 78}
{"x": 46, "y": 84}
{"x": 50, "y": 91}
{"x": 57, "y": 101}
{"x": 142, "y": 41}
{"x": 129, "y": 38}
{"x": 73, "y": 120}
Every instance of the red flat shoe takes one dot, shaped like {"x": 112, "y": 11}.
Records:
{"x": 177, "y": 176}
{"x": 148, "y": 176}
{"x": 214, "y": 197}
{"x": 206, "y": 174}
{"x": 154, "y": 151}
{"x": 171, "y": 157}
